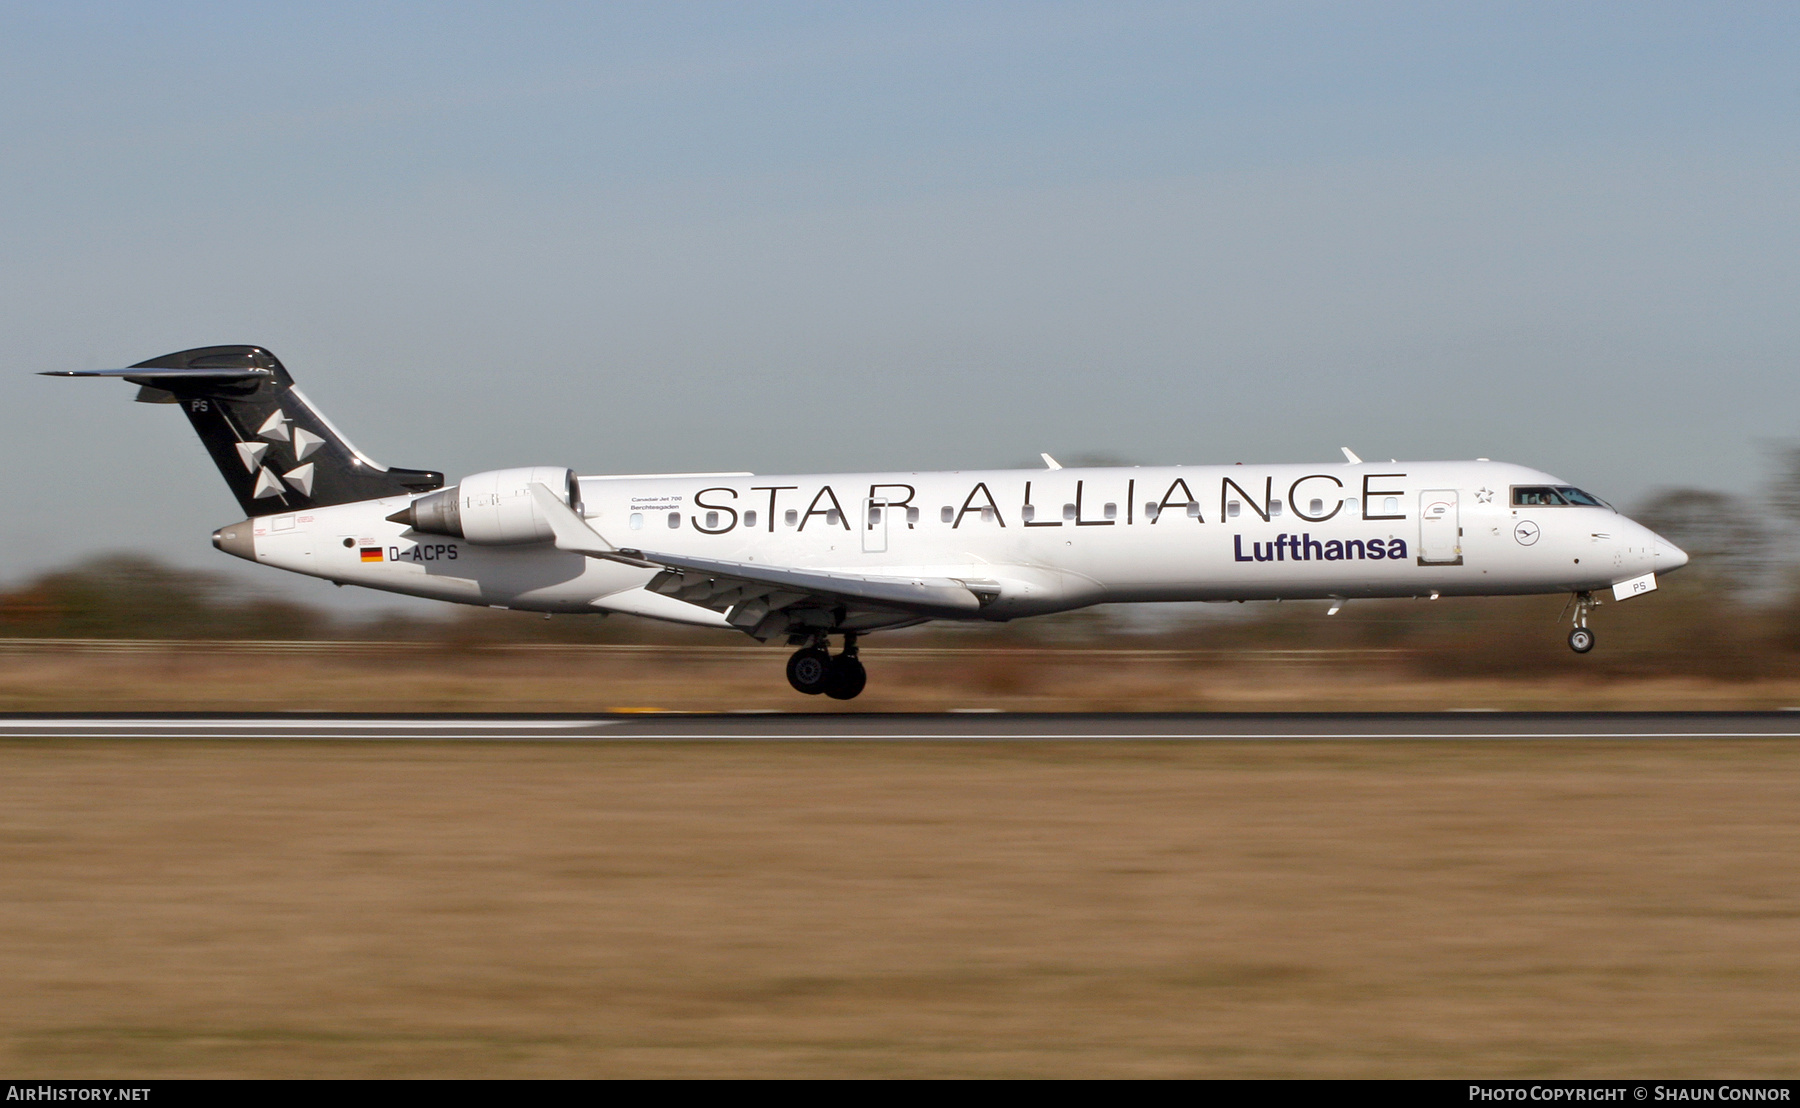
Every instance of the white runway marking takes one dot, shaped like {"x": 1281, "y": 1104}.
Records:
{"x": 323, "y": 721}
{"x": 313, "y": 728}
{"x": 461, "y": 736}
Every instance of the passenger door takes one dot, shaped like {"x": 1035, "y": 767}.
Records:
{"x": 1440, "y": 528}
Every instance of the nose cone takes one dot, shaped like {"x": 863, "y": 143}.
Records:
{"x": 1669, "y": 557}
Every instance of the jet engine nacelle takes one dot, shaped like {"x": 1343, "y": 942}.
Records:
{"x": 493, "y": 508}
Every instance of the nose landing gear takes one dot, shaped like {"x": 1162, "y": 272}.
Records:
{"x": 813, "y": 670}
{"x": 1581, "y": 640}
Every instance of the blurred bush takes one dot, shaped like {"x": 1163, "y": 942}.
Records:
{"x": 129, "y": 596}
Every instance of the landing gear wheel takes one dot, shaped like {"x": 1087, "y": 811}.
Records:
{"x": 846, "y": 678}
{"x": 809, "y": 670}
{"x": 1581, "y": 640}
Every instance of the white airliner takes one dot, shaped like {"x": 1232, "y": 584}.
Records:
{"x": 798, "y": 558}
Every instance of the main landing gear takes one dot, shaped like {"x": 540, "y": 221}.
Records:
{"x": 812, "y": 670}
{"x": 1581, "y": 640}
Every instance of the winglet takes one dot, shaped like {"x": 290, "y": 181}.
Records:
{"x": 573, "y": 533}
{"x": 1350, "y": 456}
{"x": 1049, "y": 462}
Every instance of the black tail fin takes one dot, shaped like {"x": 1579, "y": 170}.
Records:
{"x": 276, "y": 451}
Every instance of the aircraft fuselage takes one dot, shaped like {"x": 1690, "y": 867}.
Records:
{"x": 1052, "y": 540}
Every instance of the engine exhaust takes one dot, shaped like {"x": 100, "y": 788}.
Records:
{"x": 437, "y": 513}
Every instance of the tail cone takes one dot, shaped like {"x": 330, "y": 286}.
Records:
{"x": 238, "y": 539}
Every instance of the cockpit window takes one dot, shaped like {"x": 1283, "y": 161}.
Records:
{"x": 1557, "y": 496}
{"x": 1536, "y": 496}
{"x": 1576, "y": 496}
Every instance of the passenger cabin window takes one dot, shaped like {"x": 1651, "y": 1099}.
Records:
{"x": 674, "y": 520}
{"x": 1351, "y": 504}
{"x": 637, "y": 521}
{"x": 1068, "y": 511}
{"x": 948, "y": 515}
{"x": 1028, "y": 513}
{"x": 712, "y": 521}
{"x": 750, "y": 518}
{"x": 832, "y": 518}
{"x": 1315, "y": 507}
{"x": 1274, "y": 508}
{"x": 874, "y": 515}
{"x": 1232, "y": 508}
{"x": 1150, "y": 509}
{"x": 1111, "y": 511}
{"x": 1537, "y": 496}
{"x": 791, "y": 517}
{"x": 1193, "y": 509}
{"x": 912, "y": 516}
{"x": 1391, "y": 505}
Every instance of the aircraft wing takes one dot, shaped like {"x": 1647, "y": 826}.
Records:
{"x": 721, "y": 585}
{"x": 757, "y": 597}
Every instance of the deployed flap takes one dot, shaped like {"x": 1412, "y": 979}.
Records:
{"x": 709, "y": 582}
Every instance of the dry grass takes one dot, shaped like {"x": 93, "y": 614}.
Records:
{"x": 439, "y": 680}
{"x": 1460, "y": 909}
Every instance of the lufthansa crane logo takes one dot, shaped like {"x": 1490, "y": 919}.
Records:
{"x": 1526, "y": 532}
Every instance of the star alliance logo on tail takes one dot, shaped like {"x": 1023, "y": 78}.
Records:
{"x": 276, "y": 430}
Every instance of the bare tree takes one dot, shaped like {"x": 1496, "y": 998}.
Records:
{"x": 1724, "y": 535}
{"x": 1784, "y": 482}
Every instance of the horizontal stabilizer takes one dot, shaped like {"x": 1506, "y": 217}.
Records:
{"x": 221, "y": 373}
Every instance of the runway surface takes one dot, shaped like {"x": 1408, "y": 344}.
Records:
{"x": 945, "y": 727}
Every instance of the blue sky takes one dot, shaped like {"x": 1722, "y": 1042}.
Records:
{"x": 814, "y": 236}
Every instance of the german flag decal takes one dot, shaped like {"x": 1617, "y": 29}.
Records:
{"x": 371, "y": 553}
